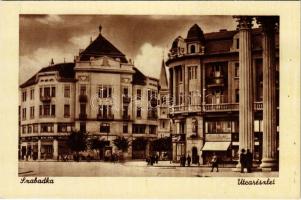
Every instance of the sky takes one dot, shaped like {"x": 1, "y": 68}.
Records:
{"x": 145, "y": 39}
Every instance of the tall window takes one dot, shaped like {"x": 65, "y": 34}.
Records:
{"x": 138, "y": 114}
{"x": 139, "y": 128}
{"x": 46, "y": 109}
{"x": 53, "y": 91}
{"x": 105, "y": 91}
{"x": 125, "y": 91}
{"x": 82, "y": 90}
{"x": 66, "y": 110}
{"x": 35, "y": 128}
{"x": 237, "y": 43}
{"x": 32, "y": 112}
{"x": 152, "y": 129}
{"x": 31, "y": 94}
{"x": 53, "y": 110}
{"x": 24, "y": 113}
{"x": 236, "y": 73}
{"x": 82, "y": 127}
{"x": 125, "y": 128}
{"x": 24, "y": 96}
{"x": 67, "y": 91}
{"x": 237, "y": 95}
{"x": 47, "y": 92}
{"x": 29, "y": 129}
{"x": 24, "y": 129}
{"x": 125, "y": 111}
{"x": 138, "y": 94}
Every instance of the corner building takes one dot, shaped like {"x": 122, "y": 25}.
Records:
{"x": 101, "y": 93}
{"x": 206, "y": 91}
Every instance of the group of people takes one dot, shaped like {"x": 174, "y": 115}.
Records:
{"x": 151, "y": 160}
{"x": 183, "y": 160}
{"x": 246, "y": 159}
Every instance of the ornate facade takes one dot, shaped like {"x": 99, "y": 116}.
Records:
{"x": 224, "y": 92}
{"x": 101, "y": 93}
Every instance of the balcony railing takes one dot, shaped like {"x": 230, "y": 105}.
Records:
{"x": 83, "y": 98}
{"x": 82, "y": 116}
{"x": 45, "y": 98}
{"x": 105, "y": 117}
{"x": 126, "y": 99}
{"x": 223, "y": 107}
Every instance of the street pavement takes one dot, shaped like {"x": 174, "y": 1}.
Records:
{"x": 127, "y": 169}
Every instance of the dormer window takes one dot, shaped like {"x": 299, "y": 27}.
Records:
{"x": 192, "y": 49}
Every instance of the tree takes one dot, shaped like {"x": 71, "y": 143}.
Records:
{"x": 77, "y": 141}
{"x": 121, "y": 143}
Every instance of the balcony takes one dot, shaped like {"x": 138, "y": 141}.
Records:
{"x": 223, "y": 107}
{"x": 82, "y": 116}
{"x": 83, "y": 98}
{"x": 45, "y": 99}
{"x": 101, "y": 117}
{"x": 126, "y": 117}
{"x": 126, "y": 100}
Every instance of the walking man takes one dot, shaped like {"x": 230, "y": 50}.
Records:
{"x": 188, "y": 160}
{"x": 214, "y": 162}
{"x": 242, "y": 160}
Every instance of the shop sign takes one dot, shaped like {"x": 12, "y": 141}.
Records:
{"x": 218, "y": 137}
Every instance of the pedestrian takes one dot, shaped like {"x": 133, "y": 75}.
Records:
{"x": 242, "y": 160}
{"x": 156, "y": 158}
{"x": 188, "y": 160}
{"x": 249, "y": 160}
{"x": 184, "y": 160}
{"x": 214, "y": 162}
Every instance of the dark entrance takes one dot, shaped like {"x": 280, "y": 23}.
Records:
{"x": 195, "y": 156}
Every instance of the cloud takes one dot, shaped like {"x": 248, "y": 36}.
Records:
{"x": 50, "y": 19}
{"x": 31, "y": 64}
{"x": 149, "y": 60}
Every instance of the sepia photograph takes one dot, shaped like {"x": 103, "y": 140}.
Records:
{"x": 149, "y": 95}
{"x": 150, "y": 99}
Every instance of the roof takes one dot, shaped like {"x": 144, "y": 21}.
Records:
{"x": 163, "y": 78}
{"x": 195, "y": 33}
{"x": 138, "y": 77}
{"x": 102, "y": 47}
{"x": 65, "y": 70}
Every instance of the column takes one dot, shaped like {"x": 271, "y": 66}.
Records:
{"x": 55, "y": 149}
{"x": 186, "y": 87}
{"x": 269, "y": 148}
{"x": 39, "y": 149}
{"x": 246, "y": 115}
{"x": 170, "y": 86}
{"x": 174, "y": 93}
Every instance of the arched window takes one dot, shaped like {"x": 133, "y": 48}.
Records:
{"x": 192, "y": 49}
{"x": 195, "y": 126}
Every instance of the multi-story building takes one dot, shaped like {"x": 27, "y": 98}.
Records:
{"x": 101, "y": 93}
{"x": 223, "y": 97}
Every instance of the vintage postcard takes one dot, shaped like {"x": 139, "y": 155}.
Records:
{"x": 171, "y": 99}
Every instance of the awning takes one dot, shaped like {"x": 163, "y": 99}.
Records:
{"x": 216, "y": 146}
{"x": 237, "y": 143}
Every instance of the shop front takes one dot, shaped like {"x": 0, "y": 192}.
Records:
{"x": 178, "y": 146}
{"x": 218, "y": 144}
